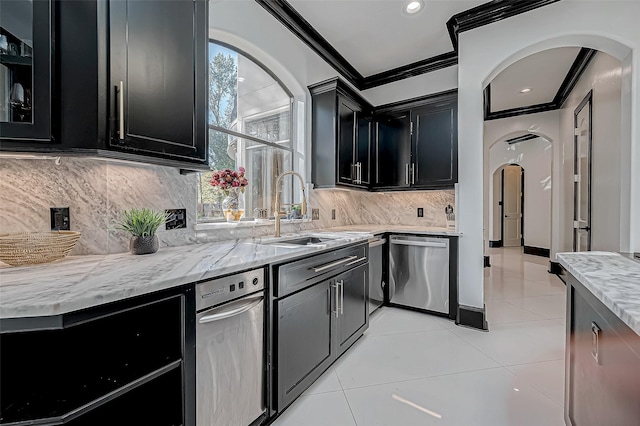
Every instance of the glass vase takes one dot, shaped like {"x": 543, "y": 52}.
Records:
{"x": 233, "y": 205}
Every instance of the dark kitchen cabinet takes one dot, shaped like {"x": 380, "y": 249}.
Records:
{"x": 26, "y": 72}
{"x": 341, "y": 136}
{"x": 319, "y": 309}
{"x": 602, "y": 378}
{"x": 352, "y": 316}
{"x": 416, "y": 144}
{"x": 392, "y": 150}
{"x": 305, "y": 347}
{"x": 434, "y": 147}
{"x": 158, "y": 72}
{"x": 104, "y": 365}
{"x": 130, "y": 82}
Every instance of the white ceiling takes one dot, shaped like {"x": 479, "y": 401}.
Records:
{"x": 543, "y": 72}
{"x": 376, "y": 36}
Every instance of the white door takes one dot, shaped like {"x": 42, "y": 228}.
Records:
{"x": 582, "y": 177}
{"x": 512, "y": 206}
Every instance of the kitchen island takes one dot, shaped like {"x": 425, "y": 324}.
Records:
{"x": 602, "y": 368}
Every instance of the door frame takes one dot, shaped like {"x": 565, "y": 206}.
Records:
{"x": 588, "y": 99}
{"x": 502, "y": 239}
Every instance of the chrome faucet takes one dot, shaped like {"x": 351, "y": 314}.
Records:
{"x": 279, "y": 214}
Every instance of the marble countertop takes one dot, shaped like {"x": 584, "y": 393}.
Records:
{"x": 79, "y": 282}
{"x": 379, "y": 229}
{"x": 614, "y": 279}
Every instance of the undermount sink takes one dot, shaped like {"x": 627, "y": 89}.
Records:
{"x": 303, "y": 241}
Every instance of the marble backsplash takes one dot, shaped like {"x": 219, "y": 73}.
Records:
{"x": 97, "y": 190}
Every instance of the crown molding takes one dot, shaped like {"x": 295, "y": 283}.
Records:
{"x": 484, "y": 14}
{"x": 489, "y": 13}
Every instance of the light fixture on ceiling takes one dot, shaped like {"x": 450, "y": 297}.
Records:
{"x": 526, "y": 90}
{"x": 413, "y": 6}
{"x": 240, "y": 79}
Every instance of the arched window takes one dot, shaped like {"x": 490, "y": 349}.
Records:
{"x": 250, "y": 120}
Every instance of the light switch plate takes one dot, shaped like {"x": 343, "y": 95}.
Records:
{"x": 333, "y": 214}
{"x": 420, "y": 212}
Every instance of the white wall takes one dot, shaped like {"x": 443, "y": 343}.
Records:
{"x": 535, "y": 158}
{"x": 547, "y": 125}
{"x": 484, "y": 52}
{"x": 604, "y": 77}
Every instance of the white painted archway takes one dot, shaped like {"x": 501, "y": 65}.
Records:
{"x": 535, "y": 157}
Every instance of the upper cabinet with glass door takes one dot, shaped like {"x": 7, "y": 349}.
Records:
{"x": 26, "y": 63}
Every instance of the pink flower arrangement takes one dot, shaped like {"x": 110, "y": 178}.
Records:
{"x": 226, "y": 179}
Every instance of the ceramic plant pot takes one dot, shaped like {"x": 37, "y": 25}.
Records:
{"x": 144, "y": 245}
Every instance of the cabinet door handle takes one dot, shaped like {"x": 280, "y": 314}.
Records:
{"x": 336, "y": 301}
{"x": 413, "y": 173}
{"x": 341, "y": 287}
{"x": 595, "y": 343}
{"x": 121, "y": 107}
{"x": 406, "y": 174}
{"x": 359, "y": 172}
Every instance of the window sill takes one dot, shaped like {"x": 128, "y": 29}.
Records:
{"x": 216, "y": 226}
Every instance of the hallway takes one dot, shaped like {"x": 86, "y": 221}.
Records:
{"x": 415, "y": 369}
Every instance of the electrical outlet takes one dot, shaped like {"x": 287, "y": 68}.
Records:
{"x": 420, "y": 212}
{"x": 315, "y": 214}
{"x": 333, "y": 214}
{"x": 177, "y": 218}
{"x": 60, "y": 219}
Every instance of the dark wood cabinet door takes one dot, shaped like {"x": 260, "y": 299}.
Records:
{"x": 347, "y": 112}
{"x": 304, "y": 346}
{"x": 158, "y": 52}
{"x": 435, "y": 145}
{"x": 393, "y": 151}
{"x": 353, "y": 311}
{"x": 363, "y": 150}
{"x": 604, "y": 364}
{"x": 26, "y": 64}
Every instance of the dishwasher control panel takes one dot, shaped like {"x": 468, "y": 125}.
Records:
{"x": 220, "y": 290}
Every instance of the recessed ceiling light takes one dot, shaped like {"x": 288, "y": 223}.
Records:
{"x": 413, "y": 6}
{"x": 240, "y": 79}
{"x": 526, "y": 90}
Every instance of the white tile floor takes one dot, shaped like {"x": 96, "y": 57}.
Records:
{"x": 416, "y": 369}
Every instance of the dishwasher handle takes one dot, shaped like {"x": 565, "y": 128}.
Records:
{"x": 419, "y": 243}
{"x": 377, "y": 242}
{"x": 227, "y": 311}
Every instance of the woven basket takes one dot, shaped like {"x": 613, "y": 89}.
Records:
{"x": 32, "y": 248}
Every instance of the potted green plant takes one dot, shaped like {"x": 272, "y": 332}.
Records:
{"x": 296, "y": 211}
{"x": 142, "y": 224}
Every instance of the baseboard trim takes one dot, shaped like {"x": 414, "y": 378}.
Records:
{"x": 487, "y": 261}
{"x": 557, "y": 269}
{"x": 537, "y": 251}
{"x": 473, "y": 317}
{"x": 495, "y": 244}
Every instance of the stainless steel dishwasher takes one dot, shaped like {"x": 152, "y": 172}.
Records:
{"x": 419, "y": 272}
{"x": 229, "y": 350}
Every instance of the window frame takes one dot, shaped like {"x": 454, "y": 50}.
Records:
{"x": 292, "y": 148}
